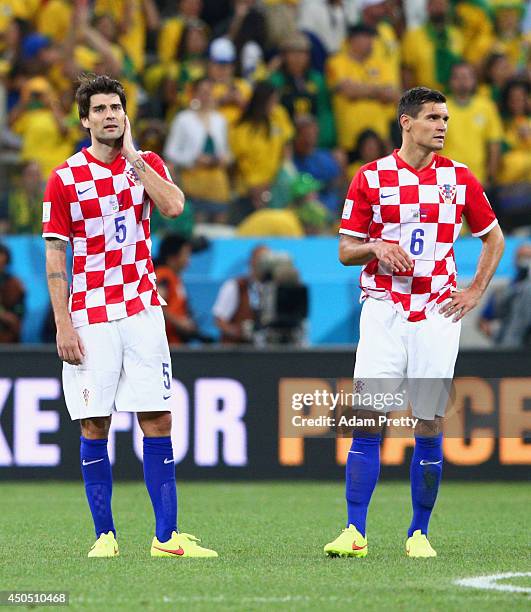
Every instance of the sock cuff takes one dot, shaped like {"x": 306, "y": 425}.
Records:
{"x": 429, "y": 441}
{"x": 157, "y": 446}
{"x": 368, "y": 439}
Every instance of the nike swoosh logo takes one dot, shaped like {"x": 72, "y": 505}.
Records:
{"x": 166, "y": 397}
{"x": 354, "y": 547}
{"x": 356, "y": 452}
{"x": 179, "y": 551}
{"x": 91, "y": 462}
{"x": 85, "y": 191}
{"x": 389, "y": 195}
{"x": 168, "y": 460}
{"x": 424, "y": 462}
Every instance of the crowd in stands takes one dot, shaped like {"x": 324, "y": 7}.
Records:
{"x": 253, "y": 102}
{"x": 265, "y": 109}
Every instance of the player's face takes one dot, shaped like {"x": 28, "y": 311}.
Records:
{"x": 106, "y": 118}
{"x": 428, "y": 128}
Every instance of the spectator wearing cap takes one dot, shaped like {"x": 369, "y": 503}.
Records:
{"x": 303, "y": 90}
{"x": 363, "y": 88}
{"x": 12, "y": 296}
{"x": 40, "y": 122}
{"x": 509, "y": 38}
{"x": 197, "y": 146}
{"x": 429, "y": 51}
{"x": 172, "y": 28}
{"x": 326, "y": 21}
{"x": 324, "y": 165}
{"x": 305, "y": 216}
{"x": 231, "y": 93}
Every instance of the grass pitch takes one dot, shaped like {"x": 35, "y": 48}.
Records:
{"x": 270, "y": 538}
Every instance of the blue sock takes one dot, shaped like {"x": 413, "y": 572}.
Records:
{"x": 96, "y": 470}
{"x": 425, "y": 474}
{"x": 159, "y": 474}
{"x": 363, "y": 469}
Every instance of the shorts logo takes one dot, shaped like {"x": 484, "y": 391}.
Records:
{"x": 86, "y": 394}
{"x": 447, "y": 192}
{"x": 46, "y": 211}
{"x": 347, "y": 209}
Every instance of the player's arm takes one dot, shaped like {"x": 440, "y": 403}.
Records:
{"x": 69, "y": 345}
{"x": 166, "y": 196}
{"x": 464, "y": 301}
{"x": 356, "y": 252}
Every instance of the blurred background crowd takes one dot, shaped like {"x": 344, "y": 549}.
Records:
{"x": 265, "y": 109}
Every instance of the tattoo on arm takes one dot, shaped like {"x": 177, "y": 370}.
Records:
{"x": 58, "y": 275}
{"x": 139, "y": 164}
{"x": 56, "y": 244}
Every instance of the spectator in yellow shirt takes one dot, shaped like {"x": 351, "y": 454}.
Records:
{"x": 169, "y": 38}
{"x": 363, "y": 88}
{"x": 231, "y": 93}
{"x": 429, "y": 51}
{"x": 516, "y": 112}
{"x": 509, "y": 38}
{"x": 53, "y": 19}
{"x": 258, "y": 142}
{"x": 474, "y": 129}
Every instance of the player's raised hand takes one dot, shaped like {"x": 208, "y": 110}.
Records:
{"x": 69, "y": 345}
{"x": 460, "y": 302}
{"x": 128, "y": 146}
{"x": 392, "y": 255}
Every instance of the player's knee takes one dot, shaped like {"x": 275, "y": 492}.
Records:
{"x": 95, "y": 428}
{"x": 155, "y": 424}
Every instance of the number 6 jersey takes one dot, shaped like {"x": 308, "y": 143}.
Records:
{"x": 104, "y": 210}
{"x": 422, "y": 211}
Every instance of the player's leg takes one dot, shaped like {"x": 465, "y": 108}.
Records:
{"x": 430, "y": 374}
{"x": 145, "y": 388}
{"x": 380, "y": 355}
{"x": 97, "y": 476}
{"x": 89, "y": 393}
{"x": 159, "y": 471}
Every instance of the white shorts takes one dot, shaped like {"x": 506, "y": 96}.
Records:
{"x": 127, "y": 367}
{"x": 420, "y": 354}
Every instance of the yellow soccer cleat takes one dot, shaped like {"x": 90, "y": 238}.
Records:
{"x": 105, "y": 546}
{"x": 418, "y": 546}
{"x": 181, "y": 545}
{"x": 350, "y": 543}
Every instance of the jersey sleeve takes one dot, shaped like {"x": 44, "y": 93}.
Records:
{"x": 56, "y": 218}
{"x": 478, "y": 211}
{"x": 158, "y": 165}
{"x": 357, "y": 211}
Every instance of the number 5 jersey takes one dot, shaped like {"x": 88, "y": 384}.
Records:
{"x": 104, "y": 210}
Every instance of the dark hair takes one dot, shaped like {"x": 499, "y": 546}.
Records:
{"x": 506, "y": 92}
{"x": 361, "y": 28}
{"x": 256, "y": 110}
{"x": 194, "y": 24}
{"x": 413, "y": 99}
{"x": 172, "y": 244}
{"x": 90, "y": 85}
{"x": 355, "y": 154}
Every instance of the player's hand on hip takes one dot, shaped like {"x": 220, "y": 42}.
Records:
{"x": 69, "y": 345}
{"x": 460, "y": 302}
{"x": 392, "y": 255}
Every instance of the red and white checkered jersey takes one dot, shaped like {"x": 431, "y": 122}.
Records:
{"x": 422, "y": 211}
{"x": 104, "y": 210}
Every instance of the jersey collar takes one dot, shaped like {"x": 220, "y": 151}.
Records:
{"x": 116, "y": 165}
{"x": 402, "y": 164}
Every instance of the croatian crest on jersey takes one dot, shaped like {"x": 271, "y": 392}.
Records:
{"x": 132, "y": 176}
{"x": 448, "y": 192}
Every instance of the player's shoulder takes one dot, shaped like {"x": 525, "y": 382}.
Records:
{"x": 150, "y": 156}
{"x": 462, "y": 171}
{"x": 63, "y": 172}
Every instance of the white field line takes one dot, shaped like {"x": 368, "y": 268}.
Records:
{"x": 491, "y": 582}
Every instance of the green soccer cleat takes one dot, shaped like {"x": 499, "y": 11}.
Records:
{"x": 105, "y": 546}
{"x": 181, "y": 545}
{"x": 418, "y": 546}
{"x": 350, "y": 543}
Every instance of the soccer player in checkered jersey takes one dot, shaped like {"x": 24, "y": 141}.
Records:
{"x": 110, "y": 328}
{"x": 401, "y": 218}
